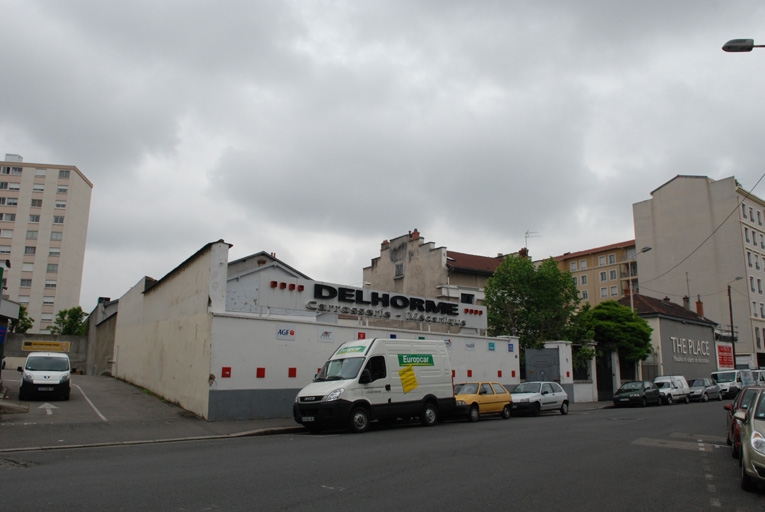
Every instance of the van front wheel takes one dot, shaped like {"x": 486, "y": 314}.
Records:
{"x": 359, "y": 420}
{"x": 429, "y": 415}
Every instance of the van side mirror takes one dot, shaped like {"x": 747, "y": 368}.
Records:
{"x": 20, "y": 369}
{"x": 73, "y": 370}
{"x": 366, "y": 377}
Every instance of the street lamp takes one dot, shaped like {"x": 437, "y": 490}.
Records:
{"x": 632, "y": 290}
{"x": 741, "y": 45}
{"x": 730, "y": 310}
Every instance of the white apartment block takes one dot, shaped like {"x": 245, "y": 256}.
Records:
{"x": 44, "y": 210}
{"x": 707, "y": 235}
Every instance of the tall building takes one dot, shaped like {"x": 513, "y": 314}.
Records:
{"x": 44, "y": 210}
{"x": 708, "y": 242}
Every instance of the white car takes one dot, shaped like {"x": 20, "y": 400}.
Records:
{"x": 535, "y": 397}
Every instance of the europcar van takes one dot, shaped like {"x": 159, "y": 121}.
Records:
{"x": 45, "y": 373}
{"x": 673, "y": 388}
{"x": 378, "y": 379}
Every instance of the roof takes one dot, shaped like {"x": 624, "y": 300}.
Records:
{"x": 587, "y": 252}
{"x": 473, "y": 263}
{"x": 651, "y": 306}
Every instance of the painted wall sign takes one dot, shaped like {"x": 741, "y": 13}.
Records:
{"x": 45, "y": 346}
{"x": 491, "y": 346}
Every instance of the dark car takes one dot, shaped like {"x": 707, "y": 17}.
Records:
{"x": 733, "y": 431}
{"x": 704, "y": 390}
{"x": 639, "y": 392}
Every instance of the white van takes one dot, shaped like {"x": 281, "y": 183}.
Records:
{"x": 731, "y": 381}
{"x": 45, "y": 374}
{"x": 673, "y": 388}
{"x": 378, "y": 379}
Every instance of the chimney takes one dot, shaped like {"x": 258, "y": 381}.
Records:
{"x": 687, "y": 303}
{"x": 414, "y": 235}
{"x": 666, "y": 299}
{"x": 384, "y": 245}
{"x": 700, "y": 307}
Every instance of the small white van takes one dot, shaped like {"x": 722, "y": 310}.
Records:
{"x": 673, "y": 388}
{"x": 378, "y": 379}
{"x": 45, "y": 374}
{"x": 731, "y": 381}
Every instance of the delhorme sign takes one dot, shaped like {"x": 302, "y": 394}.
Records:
{"x": 321, "y": 297}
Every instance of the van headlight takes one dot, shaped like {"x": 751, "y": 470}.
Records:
{"x": 28, "y": 377}
{"x": 64, "y": 378}
{"x": 336, "y": 394}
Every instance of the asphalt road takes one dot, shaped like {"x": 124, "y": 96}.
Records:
{"x": 657, "y": 458}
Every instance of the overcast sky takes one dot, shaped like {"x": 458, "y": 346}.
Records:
{"x": 316, "y": 130}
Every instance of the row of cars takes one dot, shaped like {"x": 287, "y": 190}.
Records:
{"x": 475, "y": 399}
{"x": 675, "y": 388}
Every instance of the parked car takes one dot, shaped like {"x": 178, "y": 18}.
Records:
{"x": 705, "y": 389}
{"x": 733, "y": 430}
{"x": 638, "y": 392}
{"x": 535, "y": 397}
{"x": 731, "y": 381}
{"x": 45, "y": 373}
{"x": 752, "y": 454}
{"x": 475, "y": 399}
{"x": 673, "y": 388}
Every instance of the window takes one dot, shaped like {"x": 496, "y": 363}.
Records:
{"x": 467, "y": 298}
{"x": 572, "y": 266}
{"x": 749, "y": 258}
{"x": 603, "y": 277}
{"x": 576, "y": 282}
{"x": 14, "y": 186}
{"x": 612, "y": 275}
{"x": 762, "y": 310}
{"x": 12, "y": 201}
{"x": 23, "y": 299}
{"x": 56, "y": 235}
{"x": 754, "y": 309}
{"x": 62, "y": 189}
{"x": 31, "y": 235}
{"x": 8, "y": 217}
{"x": 743, "y": 210}
{"x": 584, "y": 279}
{"x": 611, "y": 259}
{"x": 759, "y": 286}
{"x": 601, "y": 260}
{"x": 751, "y": 283}
{"x": 759, "y": 217}
{"x": 50, "y": 284}
{"x": 585, "y": 295}
{"x": 54, "y": 251}
{"x": 28, "y": 267}
{"x": 754, "y": 237}
{"x": 49, "y": 301}
{"x": 46, "y": 317}
{"x": 58, "y": 219}
{"x": 614, "y": 291}
{"x": 16, "y": 170}
{"x": 37, "y": 203}
{"x": 63, "y": 174}
{"x": 41, "y": 172}
{"x": 6, "y": 233}
{"x": 60, "y": 204}
{"x": 756, "y": 261}
{"x": 582, "y": 264}
{"x": 26, "y": 283}
{"x": 2, "y": 200}
{"x": 52, "y": 268}
{"x": 5, "y": 249}
{"x": 5, "y": 170}
{"x": 603, "y": 293}
{"x": 399, "y": 270}
{"x": 3, "y": 185}
{"x": 746, "y": 235}
{"x": 36, "y": 218}
{"x": 38, "y": 187}
{"x": 751, "y": 214}
{"x": 30, "y": 250}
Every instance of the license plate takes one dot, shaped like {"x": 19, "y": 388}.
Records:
{"x": 307, "y": 419}
{"x": 45, "y": 389}
{"x": 624, "y": 399}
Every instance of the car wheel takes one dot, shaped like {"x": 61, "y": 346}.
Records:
{"x": 728, "y": 438}
{"x": 669, "y": 399}
{"x": 536, "y": 409}
{"x": 705, "y": 398}
{"x": 747, "y": 484}
{"x": 643, "y": 403}
{"x": 564, "y": 408}
{"x": 359, "y": 420}
{"x": 474, "y": 413}
{"x": 719, "y": 396}
{"x": 506, "y": 412}
{"x": 429, "y": 416}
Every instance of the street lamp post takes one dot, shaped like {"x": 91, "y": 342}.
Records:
{"x": 741, "y": 45}
{"x": 730, "y": 310}
{"x": 632, "y": 290}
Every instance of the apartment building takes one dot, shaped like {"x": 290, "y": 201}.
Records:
{"x": 603, "y": 273}
{"x": 44, "y": 211}
{"x": 708, "y": 242}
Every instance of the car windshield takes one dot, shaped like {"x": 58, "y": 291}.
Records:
{"x": 470, "y": 388}
{"x": 724, "y": 376}
{"x": 527, "y": 387}
{"x": 47, "y": 364}
{"x": 340, "y": 369}
{"x": 697, "y": 383}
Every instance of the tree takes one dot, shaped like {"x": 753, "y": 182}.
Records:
{"x": 70, "y": 321}
{"x": 619, "y": 328}
{"x": 23, "y": 323}
{"x": 536, "y": 304}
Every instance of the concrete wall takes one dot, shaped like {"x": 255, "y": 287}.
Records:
{"x": 15, "y": 353}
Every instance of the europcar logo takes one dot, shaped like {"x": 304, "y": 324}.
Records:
{"x": 349, "y": 350}
{"x": 415, "y": 360}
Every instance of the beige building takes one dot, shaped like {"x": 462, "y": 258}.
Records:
{"x": 44, "y": 211}
{"x": 603, "y": 273}
{"x": 708, "y": 235}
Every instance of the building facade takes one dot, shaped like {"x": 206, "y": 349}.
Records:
{"x": 708, "y": 241}
{"x": 603, "y": 273}
{"x": 44, "y": 212}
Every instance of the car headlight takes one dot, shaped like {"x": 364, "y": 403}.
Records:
{"x": 461, "y": 402}
{"x": 524, "y": 400}
{"x": 297, "y": 398}
{"x": 335, "y": 394}
{"x": 634, "y": 395}
{"x": 758, "y": 442}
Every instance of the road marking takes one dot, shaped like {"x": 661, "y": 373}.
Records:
{"x": 681, "y": 445}
{"x": 91, "y": 403}
{"x": 48, "y": 408}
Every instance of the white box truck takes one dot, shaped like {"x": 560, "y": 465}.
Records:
{"x": 378, "y": 379}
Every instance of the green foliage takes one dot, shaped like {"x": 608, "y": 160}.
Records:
{"x": 535, "y": 304}
{"x": 23, "y": 323}
{"x": 70, "y": 321}
{"x": 617, "y": 327}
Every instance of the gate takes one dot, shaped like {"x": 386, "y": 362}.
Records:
{"x": 605, "y": 376}
{"x": 543, "y": 364}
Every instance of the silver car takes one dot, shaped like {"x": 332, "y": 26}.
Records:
{"x": 703, "y": 390}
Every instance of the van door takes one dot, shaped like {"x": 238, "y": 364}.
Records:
{"x": 377, "y": 390}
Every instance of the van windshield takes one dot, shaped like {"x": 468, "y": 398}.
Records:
{"x": 47, "y": 364}
{"x": 724, "y": 376}
{"x": 340, "y": 369}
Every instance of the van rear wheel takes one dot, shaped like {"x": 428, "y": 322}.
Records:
{"x": 359, "y": 420}
{"x": 429, "y": 415}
